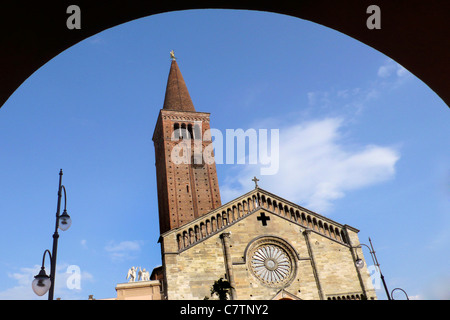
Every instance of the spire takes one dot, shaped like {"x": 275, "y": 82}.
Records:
{"x": 177, "y": 95}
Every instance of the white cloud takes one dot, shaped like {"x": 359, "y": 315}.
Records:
{"x": 124, "y": 250}
{"x": 392, "y": 73}
{"x": 321, "y": 98}
{"x": 316, "y": 167}
{"x": 436, "y": 289}
{"x": 401, "y": 71}
{"x": 96, "y": 40}
{"x": 22, "y": 289}
{"x": 350, "y": 101}
{"x": 385, "y": 70}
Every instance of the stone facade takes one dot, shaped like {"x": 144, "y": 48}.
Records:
{"x": 139, "y": 290}
{"x": 297, "y": 252}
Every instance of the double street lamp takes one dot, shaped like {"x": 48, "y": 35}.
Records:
{"x": 360, "y": 264}
{"x": 42, "y": 282}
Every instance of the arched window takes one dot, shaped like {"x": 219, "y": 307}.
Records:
{"x": 293, "y": 217}
{"x": 197, "y": 132}
{"x": 191, "y": 236}
{"x": 304, "y": 222}
{"x": 184, "y": 133}
{"x": 208, "y": 227}
{"x": 185, "y": 239}
{"x": 320, "y": 227}
{"x": 219, "y": 221}
{"x": 332, "y": 232}
{"x": 315, "y": 227}
{"x": 250, "y": 204}
{"x": 309, "y": 222}
{"x": 213, "y": 224}
{"x": 337, "y": 233}
{"x": 327, "y": 231}
{"x": 202, "y": 230}
{"x": 231, "y": 214}
{"x": 179, "y": 242}
{"x": 224, "y": 218}
{"x": 191, "y": 133}
{"x": 263, "y": 202}
{"x": 176, "y": 130}
{"x": 197, "y": 233}
{"x": 298, "y": 218}
{"x": 255, "y": 202}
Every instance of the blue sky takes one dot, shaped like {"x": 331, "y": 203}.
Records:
{"x": 362, "y": 141}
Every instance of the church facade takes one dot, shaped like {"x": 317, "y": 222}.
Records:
{"x": 265, "y": 246}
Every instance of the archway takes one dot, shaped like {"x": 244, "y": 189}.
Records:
{"x": 413, "y": 33}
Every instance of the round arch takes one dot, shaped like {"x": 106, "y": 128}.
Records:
{"x": 414, "y": 33}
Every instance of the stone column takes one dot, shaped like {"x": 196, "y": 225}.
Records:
{"x": 228, "y": 263}
{"x": 358, "y": 270}
{"x": 306, "y": 233}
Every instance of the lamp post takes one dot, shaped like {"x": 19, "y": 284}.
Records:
{"x": 392, "y": 293}
{"x": 42, "y": 282}
{"x": 360, "y": 263}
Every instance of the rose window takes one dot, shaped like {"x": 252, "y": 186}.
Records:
{"x": 271, "y": 264}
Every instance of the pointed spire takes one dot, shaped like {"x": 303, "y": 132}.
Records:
{"x": 177, "y": 95}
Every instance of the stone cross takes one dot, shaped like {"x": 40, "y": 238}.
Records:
{"x": 263, "y": 219}
{"x": 255, "y": 180}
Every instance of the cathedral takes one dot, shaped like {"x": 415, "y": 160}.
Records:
{"x": 264, "y": 246}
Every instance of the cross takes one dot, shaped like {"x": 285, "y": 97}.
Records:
{"x": 263, "y": 219}
{"x": 255, "y": 180}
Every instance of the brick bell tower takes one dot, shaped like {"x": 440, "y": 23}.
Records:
{"x": 185, "y": 168}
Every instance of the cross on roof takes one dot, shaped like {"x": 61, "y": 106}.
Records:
{"x": 172, "y": 55}
{"x": 255, "y": 180}
{"x": 263, "y": 218}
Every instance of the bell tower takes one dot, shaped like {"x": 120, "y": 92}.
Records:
{"x": 185, "y": 169}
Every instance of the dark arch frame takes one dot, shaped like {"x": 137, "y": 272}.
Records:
{"x": 414, "y": 33}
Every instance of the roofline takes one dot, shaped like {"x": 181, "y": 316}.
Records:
{"x": 201, "y": 217}
{"x": 258, "y": 189}
{"x": 310, "y": 211}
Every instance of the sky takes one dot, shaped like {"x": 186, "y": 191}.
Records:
{"x": 361, "y": 141}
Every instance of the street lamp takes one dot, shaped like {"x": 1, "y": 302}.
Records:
{"x": 360, "y": 263}
{"x": 42, "y": 282}
{"x": 392, "y": 293}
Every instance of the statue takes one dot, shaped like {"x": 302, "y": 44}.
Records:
{"x": 172, "y": 55}
{"x": 132, "y": 274}
{"x": 143, "y": 275}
